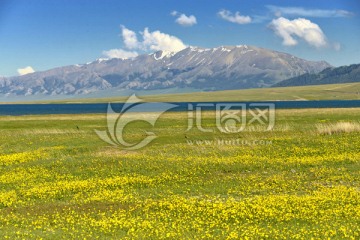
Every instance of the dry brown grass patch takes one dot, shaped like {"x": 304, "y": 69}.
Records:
{"x": 339, "y": 127}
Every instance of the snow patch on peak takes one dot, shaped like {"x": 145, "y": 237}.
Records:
{"x": 245, "y": 49}
{"x": 221, "y": 48}
{"x": 198, "y": 49}
{"x": 224, "y": 49}
{"x": 195, "y": 49}
{"x": 99, "y": 60}
{"x": 242, "y": 46}
{"x": 162, "y": 54}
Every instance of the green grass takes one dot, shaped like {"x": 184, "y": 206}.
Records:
{"x": 344, "y": 91}
{"x": 58, "y": 182}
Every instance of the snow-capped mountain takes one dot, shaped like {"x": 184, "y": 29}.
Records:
{"x": 225, "y": 67}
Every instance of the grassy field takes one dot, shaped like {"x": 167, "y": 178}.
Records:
{"x": 344, "y": 91}
{"x": 58, "y": 180}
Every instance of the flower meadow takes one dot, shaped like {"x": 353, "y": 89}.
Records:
{"x": 58, "y": 180}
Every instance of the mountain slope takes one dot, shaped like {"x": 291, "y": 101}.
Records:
{"x": 344, "y": 74}
{"x": 230, "y": 67}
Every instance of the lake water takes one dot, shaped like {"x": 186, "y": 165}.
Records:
{"x": 78, "y": 108}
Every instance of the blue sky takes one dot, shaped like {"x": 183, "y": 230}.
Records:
{"x": 43, "y": 34}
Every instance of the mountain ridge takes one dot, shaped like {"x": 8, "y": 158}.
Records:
{"x": 335, "y": 75}
{"x": 220, "y": 68}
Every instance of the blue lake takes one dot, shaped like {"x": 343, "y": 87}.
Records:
{"x": 79, "y": 108}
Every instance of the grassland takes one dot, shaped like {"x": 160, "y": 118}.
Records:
{"x": 58, "y": 180}
{"x": 319, "y": 92}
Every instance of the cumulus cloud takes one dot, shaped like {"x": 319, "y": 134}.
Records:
{"x": 120, "y": 53}
{"x": 25, "y": 70}
{"x": 151, "y": 41}
{"x": 301, "y": 28}
{"x": 304, "y": 12}
{"x": 161, "y": 41}
{"x": 186, "y": 21}
{"x": 155, "y": 40}
{"x": 174, "y": 13}
{"x": 129, "y": 38}
{"x": 234, "y": 18}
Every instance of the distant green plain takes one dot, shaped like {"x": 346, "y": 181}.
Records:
{"x": 344, "y": 91}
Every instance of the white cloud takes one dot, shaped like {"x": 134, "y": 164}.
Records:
{"x": 120, "y": 53}
{"x": 151, "y": 41}
{"x": 174, "y": 13}
{"x": 234, "y": 18}
{"x": 304, "y": 12}
{"x": 25, "y": 70}
{"x": 129, "y": 38}
{"x": 161, "y": 41}
{"x": 301, "y": 28}
{"x": 186, "y": 21}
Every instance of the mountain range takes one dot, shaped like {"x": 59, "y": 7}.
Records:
{"x": 206, "y": 69}
{"x": 343, "y": 74}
